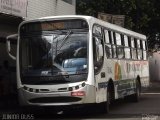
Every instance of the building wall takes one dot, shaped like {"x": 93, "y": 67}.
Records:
{"x": 64, "y": 8}
{"x": 35, "y": 9}
{"x": 154, "y": 66}
{"x": 49, "y": 8}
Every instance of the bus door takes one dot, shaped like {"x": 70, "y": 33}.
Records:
{"x": 98, "y": 57}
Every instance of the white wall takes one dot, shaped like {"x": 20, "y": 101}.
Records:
{"x": 64, "y": 8}
{"x": 43, "y": 8}
{"x": 154, "y": 67}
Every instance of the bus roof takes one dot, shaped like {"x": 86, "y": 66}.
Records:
{"x": 91, "y": 20}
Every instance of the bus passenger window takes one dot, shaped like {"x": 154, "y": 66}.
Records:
{"x": 118, "y": 39}
{"x": 144, "y": 50}
{"x": 114, "y": 51}
{"x": 134, "y": 54}
{"x": 127, "y": 53}
{"x": 111, "y": 39}
{"x": 97, "y": 30}
{"x": 144, "y": 55}
{"x": 129, "y": 41}
{"x": 144, "y": 45}
{"x": 132, "y": 43}
{"x": 141, "y": 45}
{"x": 135, "y": 43}
{"x": 106, "y": 36}
{"x": 114, "y": 41}
{"x": 138, "y": 43}
{"x": 120, "y": 51}
{"x": 126, "y": 41}
{"x": 139, "y": 53}
{"x": 108, "y": 51}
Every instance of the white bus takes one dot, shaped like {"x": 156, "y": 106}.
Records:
{"x": 78, "y": 60}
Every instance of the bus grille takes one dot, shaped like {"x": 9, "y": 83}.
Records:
{"x": 54, "y": 99}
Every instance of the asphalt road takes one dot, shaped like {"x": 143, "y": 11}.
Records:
{"x": 148, "y": 108}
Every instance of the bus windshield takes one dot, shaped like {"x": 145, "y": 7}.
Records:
{"x": 62, "y": 53}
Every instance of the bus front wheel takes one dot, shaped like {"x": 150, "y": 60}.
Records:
{"x": 104, "y": 107}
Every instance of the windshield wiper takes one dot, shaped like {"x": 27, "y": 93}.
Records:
{"x": 65, "y": 38}
{"x": 56, "y": 44}
{"x": 62, "y": 43}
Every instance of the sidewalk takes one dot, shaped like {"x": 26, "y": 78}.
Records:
{"x": 154, "y": 87}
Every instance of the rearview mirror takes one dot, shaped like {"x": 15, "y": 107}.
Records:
{"x": 8, "y": 45}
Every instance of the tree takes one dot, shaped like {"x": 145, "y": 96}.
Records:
{"x": 142, "y": 16}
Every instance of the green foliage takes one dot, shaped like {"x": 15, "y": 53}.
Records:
{"x": 140, "y": 15}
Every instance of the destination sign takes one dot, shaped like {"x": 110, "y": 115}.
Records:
{"x": 53, "y": 25}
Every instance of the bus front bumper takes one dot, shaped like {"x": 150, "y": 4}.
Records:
{"x": 80, "y": 96}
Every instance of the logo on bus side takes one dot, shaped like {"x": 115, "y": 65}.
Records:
{"x": 117, "y": 71}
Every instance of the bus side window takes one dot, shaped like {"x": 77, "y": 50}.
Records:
{"x": 139, "y": 50}
{"x": 132, "y": 43}
{"x": 133, "y": 49}
{"x": 114, "y": 51}
{"x": 97, "y": 31}
{"x": 111, "y": 39}
{"x": 118, "y": 39}
{"x": 144, "y": 45}
{"x": 120, "y": 48}
{"x": 126, "y": 41}
{"x": 144, "y": 55}
{"x": 108, "y": 51}
{"x": 107, "y": 38}
{"x": 144, "y": 50}
{"x": 127, "y": 49}
{"x": 108, "y": 41}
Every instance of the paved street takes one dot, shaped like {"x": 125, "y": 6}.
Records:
{"x": 147, "y": 109}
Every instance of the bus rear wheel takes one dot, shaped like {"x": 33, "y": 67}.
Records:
{"x": 136, "y": 96}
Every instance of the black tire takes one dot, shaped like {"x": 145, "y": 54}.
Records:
{"x": 104, "y": 107}
{"x": 135, "y": 97}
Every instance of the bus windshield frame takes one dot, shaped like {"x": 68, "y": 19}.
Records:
{"x": 53, "y": 56}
